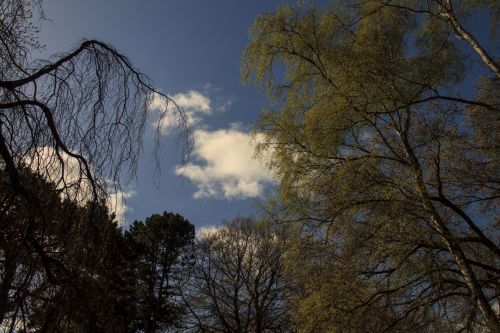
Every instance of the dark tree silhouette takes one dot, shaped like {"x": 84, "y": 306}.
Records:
{"x": 158, "y": 252}
{"x": 59, "y": 280}
{"x": 238, "y": 282}
{"x": 71, "y": 131}
{"x": 78, "y": 116}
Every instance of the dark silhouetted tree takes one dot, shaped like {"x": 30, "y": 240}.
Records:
{"x": 76, "y": 120}
{"x": 238, "y": 282}
{"x": 159, "y": 250}
{"x": 61, "y": 280}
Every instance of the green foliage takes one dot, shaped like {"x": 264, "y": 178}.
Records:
{"x": 376, "y": 157}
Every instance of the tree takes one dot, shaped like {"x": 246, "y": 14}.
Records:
{"x": 85, "y": 276}
{"x": 238, "y": 282}
{"x": 341, "y": 288}
{"x": 158, "y": 251}
{"x": 76, "y": 118}
{"x": 378, "y": 154}
{"x": 61, "y": 280}
{"x": 80, "y": 114}
{"x": 452, "y": 12}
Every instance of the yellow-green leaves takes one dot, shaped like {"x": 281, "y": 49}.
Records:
{"x": 369, "y": 143}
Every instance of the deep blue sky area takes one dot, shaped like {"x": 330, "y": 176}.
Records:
{"x": 182, "y": 45}
{"x": 191, "y": 49}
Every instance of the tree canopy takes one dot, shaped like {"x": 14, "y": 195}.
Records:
{"x": 379, "y": 154}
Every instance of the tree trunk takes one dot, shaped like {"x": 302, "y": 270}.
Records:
{"x": 449, "y": 15}
{"x": 6, "y": 283}
{"x": 452, "y": 245}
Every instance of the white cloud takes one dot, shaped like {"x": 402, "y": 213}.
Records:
{"x": 225, "y": 166}
{"x": 193, "y": 100}
{"x": 116, "y": 203}
{"x": 193, "y": 103}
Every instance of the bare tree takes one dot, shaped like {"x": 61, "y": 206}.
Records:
{"x": 80, "y": 114}
{"x": 238, "y": 283}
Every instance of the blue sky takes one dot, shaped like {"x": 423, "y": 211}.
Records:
{"x": 191, "y": 50}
